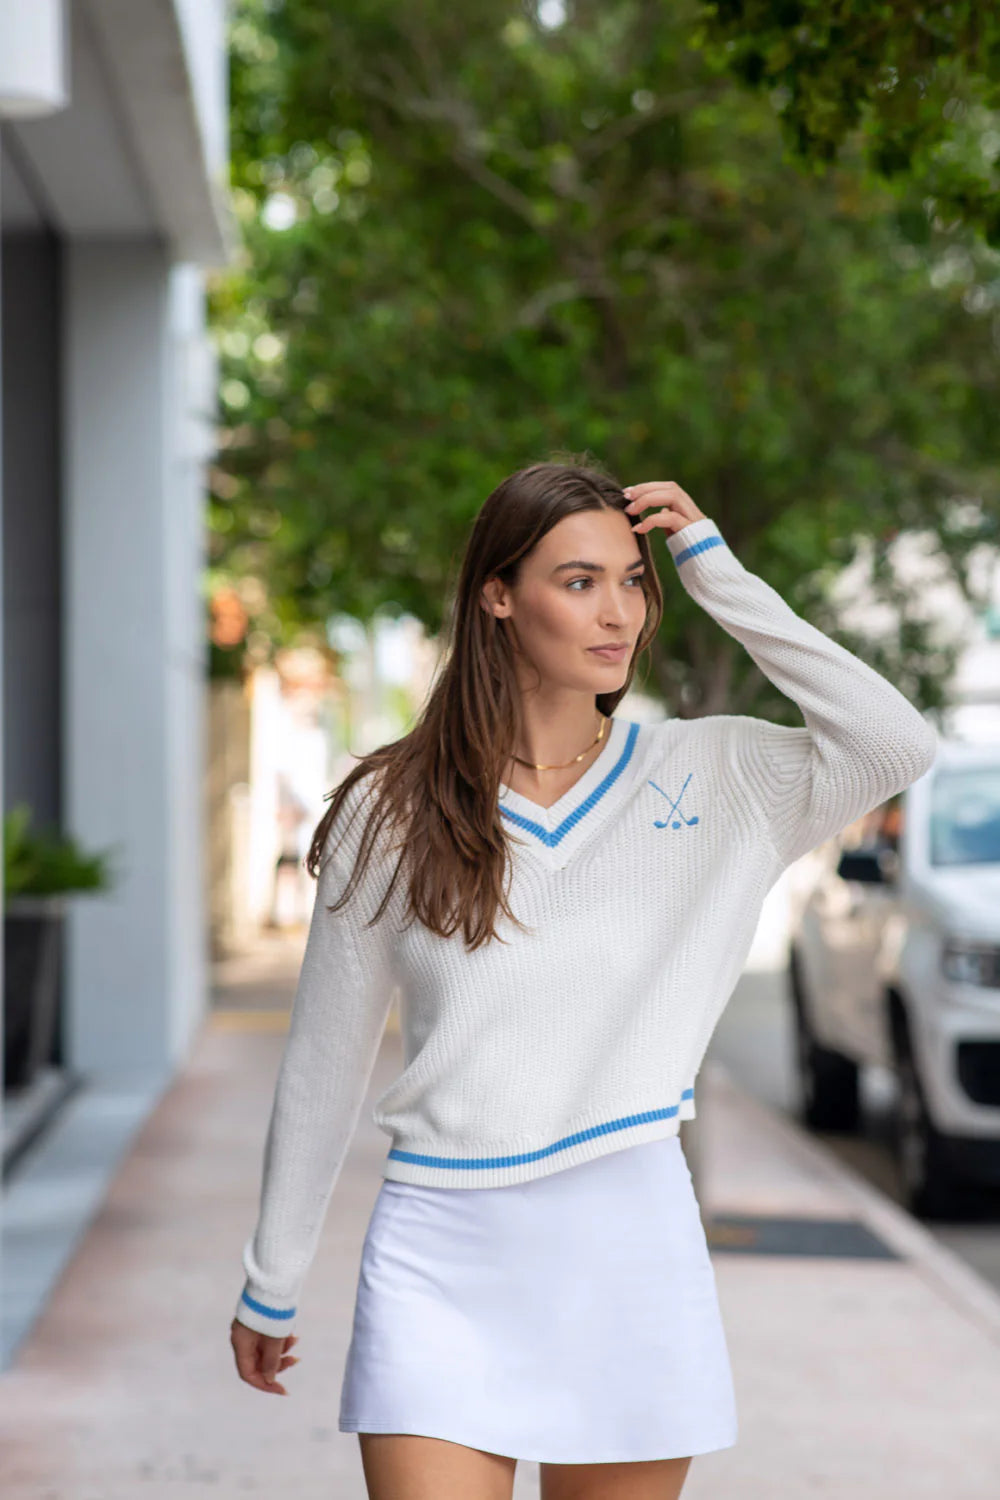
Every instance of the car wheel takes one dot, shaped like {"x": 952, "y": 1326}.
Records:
{"x": 931, "y": 1189}
{"x": 829, "y": 1093}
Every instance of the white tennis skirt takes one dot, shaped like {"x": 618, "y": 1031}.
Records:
{"x": 569, "y": 1319}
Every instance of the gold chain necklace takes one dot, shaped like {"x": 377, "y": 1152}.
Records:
{"x": 576, "y": 758}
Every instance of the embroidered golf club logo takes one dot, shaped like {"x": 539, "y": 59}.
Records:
{"x": 675, "y": 807}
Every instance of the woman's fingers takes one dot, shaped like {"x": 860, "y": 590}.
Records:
{"x": 255, "y": 1376}
{"x": 668, "y": 520}
{"x": 678, "y": 509}
{"x": 660, "y": 492}
{"x": 272, "y": 1365}
{"x": 260, "y": 1359}
{"x": 670, "y": 485}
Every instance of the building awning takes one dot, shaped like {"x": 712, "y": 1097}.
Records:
{"x": 142, "y": 146}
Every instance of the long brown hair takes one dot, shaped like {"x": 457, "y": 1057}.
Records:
{"x": 439, "y": 784}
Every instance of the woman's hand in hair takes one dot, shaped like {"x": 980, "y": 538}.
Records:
{"x": 678, "y": 509}
{"x": 261, "y": 1358}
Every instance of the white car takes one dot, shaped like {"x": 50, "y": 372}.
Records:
{"x": 894, "y": 960}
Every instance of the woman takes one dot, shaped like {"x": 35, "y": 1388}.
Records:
{"x": 564, "y": 900}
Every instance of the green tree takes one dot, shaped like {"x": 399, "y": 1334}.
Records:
{"x": 472, "y": 239}
{"x": 919, "y": 85}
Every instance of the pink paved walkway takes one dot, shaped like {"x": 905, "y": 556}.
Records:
{"x": 860, "y": 1379}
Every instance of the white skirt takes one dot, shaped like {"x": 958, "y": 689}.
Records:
{"x": 569, "y": 1319}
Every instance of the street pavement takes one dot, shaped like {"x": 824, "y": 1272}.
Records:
{"x": 870, "y": 1374}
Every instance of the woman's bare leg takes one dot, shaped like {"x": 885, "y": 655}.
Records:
{"x": 402, "y": 1466}
{"x": 659, "y": 1480}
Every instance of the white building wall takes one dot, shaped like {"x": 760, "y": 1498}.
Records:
{"x": 133, "y": 749}
{"x": 191, "y": 427}
{"x": 115, "y": 113}
{"x": 203, "y": 25}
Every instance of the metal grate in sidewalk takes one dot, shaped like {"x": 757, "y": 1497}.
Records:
{"x": 755, "y": 1234}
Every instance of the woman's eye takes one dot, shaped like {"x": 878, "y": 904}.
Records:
{"x": 633, "y": 578}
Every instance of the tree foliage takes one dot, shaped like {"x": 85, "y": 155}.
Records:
{"x": 917, "y": 83}
{"x": 472, "y": 239}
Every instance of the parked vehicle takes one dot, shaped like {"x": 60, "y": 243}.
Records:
{"x": 895, "y": 960}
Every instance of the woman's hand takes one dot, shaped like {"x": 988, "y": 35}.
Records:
{"x": 679, "y": 510}
{"x": 260, "y": 1358}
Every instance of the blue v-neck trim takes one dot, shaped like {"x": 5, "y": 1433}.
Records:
{"x": 551, "y": 837}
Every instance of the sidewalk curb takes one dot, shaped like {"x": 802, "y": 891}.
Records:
{"x": 966, "y": 1291}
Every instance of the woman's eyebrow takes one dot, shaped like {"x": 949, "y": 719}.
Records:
{"x": 593, "y": 567}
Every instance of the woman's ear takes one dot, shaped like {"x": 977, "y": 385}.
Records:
{"x": 495, "y": 598}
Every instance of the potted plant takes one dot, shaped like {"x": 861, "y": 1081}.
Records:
{"x": 40, "y": 869}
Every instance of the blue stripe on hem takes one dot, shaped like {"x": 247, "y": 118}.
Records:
{"x": 570, "y": 821}
{"x": 707, "y": 541}
{"x": 269, "y": 1312}
{"x": 477, "y": 1163}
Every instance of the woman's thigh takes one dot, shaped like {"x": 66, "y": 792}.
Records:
{"x": 660, "y": 1479}
{"x": 403, "y": 1466}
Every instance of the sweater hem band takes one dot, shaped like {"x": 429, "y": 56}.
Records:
{"x": 583, "y": 1145}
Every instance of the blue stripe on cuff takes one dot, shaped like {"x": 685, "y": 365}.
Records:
{"x": 706, "y": 542}
{"x": 269, "y": 1312}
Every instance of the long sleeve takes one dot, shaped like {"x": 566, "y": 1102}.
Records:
{"x": 863, "y": 740}
{"x": 338, "y": 1015}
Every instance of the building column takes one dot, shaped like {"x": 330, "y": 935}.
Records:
{"x": 136, "y": 384}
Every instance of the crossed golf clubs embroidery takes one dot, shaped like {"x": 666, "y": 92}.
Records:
{"x": 675, "y": 806}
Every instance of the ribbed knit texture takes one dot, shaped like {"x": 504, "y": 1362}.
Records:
{"x": 641, "y": 887}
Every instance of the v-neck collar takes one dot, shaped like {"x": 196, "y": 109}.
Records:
{"x": 554, "y": 831}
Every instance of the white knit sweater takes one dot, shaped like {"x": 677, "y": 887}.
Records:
{"x": 642, "y": 887}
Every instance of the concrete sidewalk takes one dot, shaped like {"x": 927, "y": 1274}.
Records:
{"x": 875, "y": 1373}
{"x": 871, "y": 1375}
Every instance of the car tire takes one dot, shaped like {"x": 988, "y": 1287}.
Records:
{"x": 931, "y": 1188}
{"x": 829, "y": 1085}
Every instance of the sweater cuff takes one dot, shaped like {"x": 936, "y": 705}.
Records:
{"x": 697, "y": 545}
{"x": 274, "y": 1316}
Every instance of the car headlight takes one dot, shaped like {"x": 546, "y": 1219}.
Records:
{"x": 970, "y": 962}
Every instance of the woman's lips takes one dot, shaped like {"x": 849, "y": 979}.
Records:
{"x": 609, "y": 653}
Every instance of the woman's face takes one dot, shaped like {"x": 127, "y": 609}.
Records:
{"x": 579, "y": 588}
